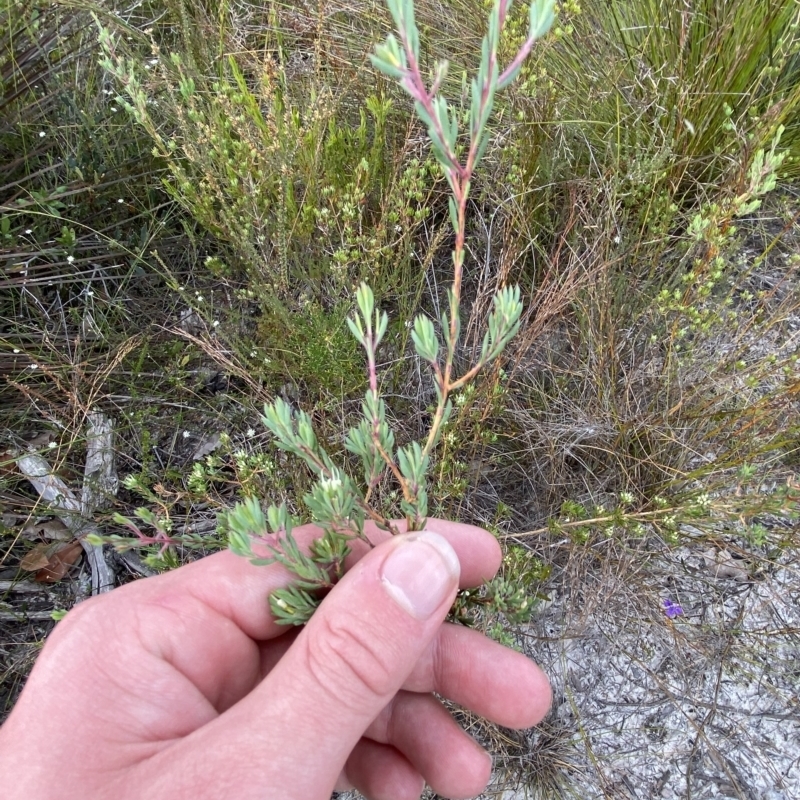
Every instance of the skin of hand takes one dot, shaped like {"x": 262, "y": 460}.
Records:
{"x": 182, "y": 685}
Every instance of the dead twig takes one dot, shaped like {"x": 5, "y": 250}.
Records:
{"x": 99, "y": 481}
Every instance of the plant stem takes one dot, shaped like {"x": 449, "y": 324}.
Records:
{"x": 577, "y": 523}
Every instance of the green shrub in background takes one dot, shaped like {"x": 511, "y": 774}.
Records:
{"x": 643, "y": 136}
{"x": 303, "y": 176}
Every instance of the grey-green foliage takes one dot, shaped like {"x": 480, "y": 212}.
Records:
{"x": 339, "y": 505}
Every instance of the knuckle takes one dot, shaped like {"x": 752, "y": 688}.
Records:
{"x": 350, "y": 663}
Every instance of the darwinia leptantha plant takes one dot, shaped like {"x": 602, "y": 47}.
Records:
{"x": 335, "y": 502}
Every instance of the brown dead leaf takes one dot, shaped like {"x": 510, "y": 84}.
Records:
{"x": 51, "y": 562}
{"x": 53, "y": 530}
{"x": 38, "y": 557}
{"x": 60, "y": 563}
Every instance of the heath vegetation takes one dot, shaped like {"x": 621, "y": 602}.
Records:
{"x": 194, "y": 198}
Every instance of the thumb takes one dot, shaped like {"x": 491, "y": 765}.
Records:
{"x": 355, "y": 654}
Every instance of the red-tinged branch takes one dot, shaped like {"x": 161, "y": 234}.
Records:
{"x": 467, "y": 377}
{"x": 389, "y": 461}
{"x": 502, "y": 10}
{"x": 518, "y": 59}
{"x": 376, "y": 517}
{"x": 415, "y": 86}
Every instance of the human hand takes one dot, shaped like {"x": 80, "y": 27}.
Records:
{"x": 182, "y": 686}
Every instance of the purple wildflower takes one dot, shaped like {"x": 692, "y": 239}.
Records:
{"x": 672, "y": 609}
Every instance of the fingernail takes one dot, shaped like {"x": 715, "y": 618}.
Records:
{"x": 421, "y": 572}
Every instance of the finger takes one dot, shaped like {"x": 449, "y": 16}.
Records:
{"x": 380, "y": 772}
{"x": 495, "y": 682}
{"x": 478, "y": 551}
{"x": 343, "y": 669}
{"x": 453, "y": 764}
{"x": 232, "y": 587}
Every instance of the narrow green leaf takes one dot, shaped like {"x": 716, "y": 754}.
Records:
{"x": 453, "y": 213}
{"x": 424, "y": 338}
{"x": 475, "y": 108}
{"x": 356, "y": 329}
{"x": 484, "y": 141}
{"x": 395, "y": 11}
{"x": 239, "y": 541}
{"x": 542, "y": 14}
{"x": 424, "y": 115}
{"x": 366, "y": 302}
{"x": 382, "y": 323}
{"x": 386, "y": 67}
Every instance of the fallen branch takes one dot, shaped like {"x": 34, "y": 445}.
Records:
{"x": 25, "y": 616}
{"x": 22, "y": 587}
{"x": 99, "y": 481}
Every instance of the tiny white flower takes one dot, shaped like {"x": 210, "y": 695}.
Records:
{"x": 153, "y": 61}
{"x": 52, "y": 445}
{"x": 42, "y": 134}
{"x": 90, "y": 293}
{"x": 250, "y": 433}
{"x": 330, "y": 484}
{"x": 186, "y": 434}
{"x": 16, "y": 349}
{"x": 70, "y": 259}
{"x": 114, "y": 109}
{"x": 120, "y": 200}
{"x": 28, "y": 231}
{"x": 33, "y": 366}
{"x": 215, "y": 323}
{"x": 617, "y": 239}
{"x": 253, "y": 354}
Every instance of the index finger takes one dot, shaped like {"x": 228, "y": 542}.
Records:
{"x": 233, "y": 587}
